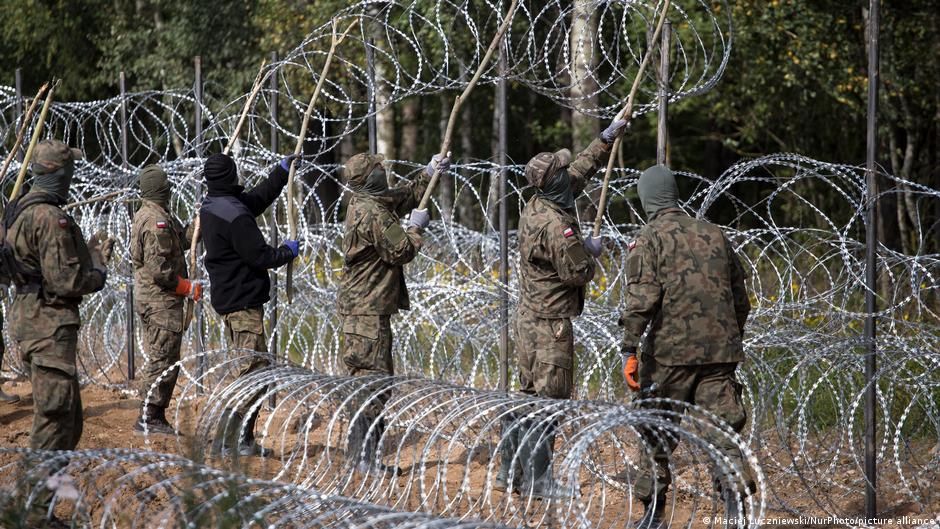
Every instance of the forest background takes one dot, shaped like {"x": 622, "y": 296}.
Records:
{"x": 796, "y": 82}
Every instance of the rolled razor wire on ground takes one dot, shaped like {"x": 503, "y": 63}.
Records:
{"x": 131, "y": 489}
{"x": 347, "y": 436}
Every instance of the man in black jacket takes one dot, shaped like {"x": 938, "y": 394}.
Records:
{"x": 238, "y": 259}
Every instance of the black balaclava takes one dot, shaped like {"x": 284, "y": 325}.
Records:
{"x": 376, "y": 183}
{"x": 657, "y": 189}
{"x": 221, "y": 175}
{"x": 154, "y": 185}
{"x": 56, "y": 183}
{"x": 557, "y": 189}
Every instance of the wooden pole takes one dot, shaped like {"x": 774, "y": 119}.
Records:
{"x": 197, "y": 229}
{"x": 298, "y": 149}
{"x": 627, "y": 113}
{"x": 455, "y": 111}
{"x": 37, "y": 133}
{"x": 22, "y": 132}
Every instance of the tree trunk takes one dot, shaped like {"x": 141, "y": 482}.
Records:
{"x": 583, "y": 90}
{"x": 410, "y": 117}
{"x": 385, "y": 117}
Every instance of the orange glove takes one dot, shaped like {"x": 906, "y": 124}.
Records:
{"x": 631, "y": 369}
{"x": 187, "y": 288}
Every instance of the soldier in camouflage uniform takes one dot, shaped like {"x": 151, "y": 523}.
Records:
{"x": 683, "y": 279}
{"x": 372, "y": 287}
{"x": 54, "y": 269}
{"x": 158, "y": 242}
{"x": 555, "y": 265}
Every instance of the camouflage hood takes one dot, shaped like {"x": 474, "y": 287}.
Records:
{"x": 154, "y": 185}
{"x": 361, "y": 175}
{"x": 658, "y": 191}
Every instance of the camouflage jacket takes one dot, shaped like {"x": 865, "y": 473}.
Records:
{"x": 554, "y": 266}
{"x": 46, "y": 238}
{"x": 158, "y": 243}
{"x": 683, "y": 276}
{"x": 375, "y": 247}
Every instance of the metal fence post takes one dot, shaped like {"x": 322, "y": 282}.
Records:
{"x": 501, "y": 97}
{"x": 370, "y": 67}
{"x": 871, "y": 242}
{"x": 131, "y": 335}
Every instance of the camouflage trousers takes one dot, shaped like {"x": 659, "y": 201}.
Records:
{"x": 545, "y": 352}
{"x": 57, "y": 402}
{"x": 368, "y": 344}
{"x": 712, "y": 387}
{"x": 245, "y": 330}
{"x": 163, "y": 350}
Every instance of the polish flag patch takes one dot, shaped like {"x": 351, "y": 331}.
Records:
{"x": 632, "y": 244}
{"x": 567, "y": 232}
{"x": 161, "y": 224}
{"x": 63, "y": 223}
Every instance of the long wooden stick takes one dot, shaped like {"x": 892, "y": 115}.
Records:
{"x": 37, "y": 133}
{"x": 627, "y": 112}
{"x": 255, "y": 88}
{"x": 455, "y": 111}
{"x": 99, "y": 198}
{"x": 298, "y": 149}
{"x": 27, "y": 117}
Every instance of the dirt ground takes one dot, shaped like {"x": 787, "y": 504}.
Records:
{"x": 110, "y": 414}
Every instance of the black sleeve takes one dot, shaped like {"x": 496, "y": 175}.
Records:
{"x": 260, "y": 197}
{"x": 252, "y": 248}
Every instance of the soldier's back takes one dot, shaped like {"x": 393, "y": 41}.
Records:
{"x": 696, "y": 323}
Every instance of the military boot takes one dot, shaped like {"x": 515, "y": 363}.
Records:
{"x": 539, "y": 451}
{"x": 7, "y": 398}
{"x": 363, "y": 445}
{"x": 509, "y": 477}
{"x": 227, "y": 432}
{"x": 247, "y": 446}
{"x": 152, "y": 419}
{"x": 652, "y": 513}
{"x": 735, "y": 509}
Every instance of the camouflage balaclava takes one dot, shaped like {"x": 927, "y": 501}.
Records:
{"x": 657, "y": 189}
{"x": 548, "y": 172}
{"x": 365, "y": 173}
{"x": 52, "y": 166}
{"x": 154, "y": 185}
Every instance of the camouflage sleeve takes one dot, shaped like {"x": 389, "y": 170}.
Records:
{"x": 574, "y": 266}
{"x": 157, "y": 246}
{"x": 585, "y": 166}
{"x": 408, "y": 195}
{"x": 65, "y": 260}
{"x": 742, "y": 305}
{"x": 643, "y": 294}
{"x": 394, "y": 245}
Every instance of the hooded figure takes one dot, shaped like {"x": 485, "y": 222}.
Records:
{"x": 685, "y": 304}
{"x": 52, "y": 167}
{"x": 658, "y": 191}
{"x": 554, "y": 271}
{"x": 238, "y": 259}
{"x": 158, "y": 246}
{"x": 372, "y": 286}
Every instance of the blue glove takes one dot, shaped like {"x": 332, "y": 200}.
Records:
{"x": 613, "y": 131}
{"x": 594, "y": 245}
{"x": 419, "y": 219}
{"x": 293, "y": 246}
{"x": 437, "y": 160}
{"x": 285, "y": 161}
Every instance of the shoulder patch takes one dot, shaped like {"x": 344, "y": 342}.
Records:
{"x": 162, "y": 224}
{"x": 632, "y": 245}
{"x": 63, "y": 222}
{"x": 394, "y": 234}
{"x": 567, "y": 232}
